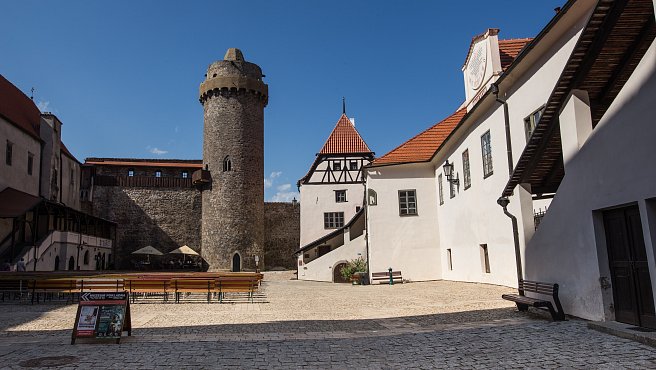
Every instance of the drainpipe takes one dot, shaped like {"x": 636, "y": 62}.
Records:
{"x": 366, "y": 221}
{"x": 503, "y": 202}
{"x": 506, "y": 118}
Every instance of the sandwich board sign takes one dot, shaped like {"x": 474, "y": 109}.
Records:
{"x": 102, "y": 315}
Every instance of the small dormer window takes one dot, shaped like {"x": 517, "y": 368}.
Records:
{"x": 158, "y": 173}
{"x": 185, "y": 174}
{"x": 227, "y": 164}
{"x": 130, "y": 172}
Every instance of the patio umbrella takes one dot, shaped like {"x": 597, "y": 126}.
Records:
{"x": 184, "y": 251}
{"x": 148, "y": 251}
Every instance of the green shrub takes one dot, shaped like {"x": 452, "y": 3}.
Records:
{"x": 356, "y": 265}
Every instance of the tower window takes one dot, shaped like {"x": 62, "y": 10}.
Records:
{"x": 130, "y": 172}
{"x": 185, "y": 174}
{"x": 9, "y": 152}
{"x": 227, "y": 164}
{"x": 340, "y": 196}
{"x": 30, "y": 162}
{"x": 158, "y": 173}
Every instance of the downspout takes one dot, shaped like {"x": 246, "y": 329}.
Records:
{"x": 504, "y": 201}
{"x": 366, "y": 222}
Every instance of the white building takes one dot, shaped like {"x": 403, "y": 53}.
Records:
{"x": 560, "y": 120}
{"x": 40, "y": 211}
{"x": 331, "y": 198}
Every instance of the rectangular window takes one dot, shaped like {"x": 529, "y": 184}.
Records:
{"x": 340, "y": 196}
{"x": 440, "y": 189}
{"x": 486, "y": 150}
{"x": 452, "y": 189}
{"x": 158, "y": 173}
{"x": 449, "y": 259}
{"x": 531, "y": 121}
{"x": 333, "y": 220}
{"x": 30, "y": 163}
{"x": 465, "y": 169}
{"x": 9, "y": 152}
{"x": 407, "y": 202}
{"x": 485, "y": 259}
{"x": 354, "y": 165}
{"x": 337, "y": 166}
{"x": 130, "y": 172}
{"x": 357, "y": 209}
{"x": 185, "y": 174}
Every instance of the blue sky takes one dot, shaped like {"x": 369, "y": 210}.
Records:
{"x": 123, "y": 76}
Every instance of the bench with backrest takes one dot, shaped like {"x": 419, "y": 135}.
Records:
{"x": 384, "y": 277}
{"x": 189, "y": 285}
{"x": 237, "y": 284}
{"x": 545, "y": 289}
{"x": 148, "y": 286}
{"x": 13, "y": 288}
{"x": 50, "y": 287}
{"x": 100, "y": 285}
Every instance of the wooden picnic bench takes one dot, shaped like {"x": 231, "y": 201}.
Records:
{"x": 100, "y": 285}
{"x": 236, "y": 284}
{"x": 384, "y": 277}
{"x": 546, "y": 289}
{"x": 50, "y": 287}
{"x": 148, "y": 286}
{"x": 189, "y": 285}
{"x": 13, "y": 288}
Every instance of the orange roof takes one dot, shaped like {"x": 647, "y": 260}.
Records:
{"x": 422, "y": 147}
{"x": 344, "y": 139}
{"x": 145, "y": 162}
{"x": 509, "y": 49}
{"x": 18, "y": 109}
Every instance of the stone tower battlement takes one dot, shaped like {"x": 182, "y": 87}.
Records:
{"x": 233, "y": 97}
{"x": 233, "y": 75}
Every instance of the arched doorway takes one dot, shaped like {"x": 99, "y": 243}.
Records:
{"x": 337, "y": 273}
{"x": 56, "y": 263}
{"x": 236, "y": 262}
{"x": 71, "y": 263}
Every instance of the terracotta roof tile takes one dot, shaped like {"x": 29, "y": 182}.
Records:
{"x": 18, "y": 109}
{"x": 344, "y": 139}
{"x": 509, "y": 49}
{"x": 422, "y": 147}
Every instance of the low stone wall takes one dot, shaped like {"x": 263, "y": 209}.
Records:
{"x": 282, "y": 225}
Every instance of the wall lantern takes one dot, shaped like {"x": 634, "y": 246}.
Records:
{"x": 448, "y": 173}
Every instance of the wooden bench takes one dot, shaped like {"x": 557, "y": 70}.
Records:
{"x": 13, "y": 288}
{"x": 141, "y": 287}
{"x": 193, "y": 286}
{"x": 523, "y": 302}
{"x": 384, "y": 277}
{"x": 100, "y": 285}
{"x": 237, "y": 284}
{"x": 61, "y": 287}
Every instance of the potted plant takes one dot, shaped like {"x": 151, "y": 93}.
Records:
{"x": 355, "y": 271}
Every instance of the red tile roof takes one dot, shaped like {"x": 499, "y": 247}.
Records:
{"x": 509, "y": 49}
{"x": 422, "y": 147}
{"x": 18, "y": 109}
{"x": 186, "y": 163}
{"x": 344, "y": 139}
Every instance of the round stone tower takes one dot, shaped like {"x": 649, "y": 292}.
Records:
{"x": 233, "y": 97}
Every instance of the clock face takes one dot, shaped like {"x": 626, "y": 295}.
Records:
{"x": 477, "y": 65}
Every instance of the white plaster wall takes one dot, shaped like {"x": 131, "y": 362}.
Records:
{"x": 70, "y": 191}
{"x": 614, "y": 167}
{"x": 321, "y": 269}
{"x": 16, "y": 175}
{"x": 406, "y": 243}
{"x": 65, "y": 245}
{"x": 317, "y": 199}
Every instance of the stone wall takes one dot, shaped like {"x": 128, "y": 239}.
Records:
{"x": 282, "y": 224}
{"x": 165, "y": 218}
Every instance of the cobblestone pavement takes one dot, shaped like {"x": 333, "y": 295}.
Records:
{"x": 318, "y": 325}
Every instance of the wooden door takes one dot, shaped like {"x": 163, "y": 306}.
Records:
{"x": 632, "y": 291}
{"x": 337, "y": 274}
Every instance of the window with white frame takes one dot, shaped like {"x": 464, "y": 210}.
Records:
{"x": 333, "y": 220}
{"x": 466, "y": 169}
{"x": 531, "y": 121}
{"x": 407, "y": 202}
{"x": 354, "y": 165}
{"x": 440, "y": 188}
{"x": 486, "y": 150}
{"x": 185, "y": 174}
{"x": 130, "y": 172}
{"x": 337, "y": 166}
{"x": 340, "y": 196}
{"x": 158, "y": 173}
